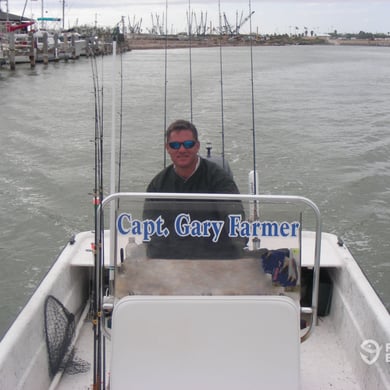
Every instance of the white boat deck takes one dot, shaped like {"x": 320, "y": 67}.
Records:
{"x": 324, "y": 361}
{"x": 324, "y": 364}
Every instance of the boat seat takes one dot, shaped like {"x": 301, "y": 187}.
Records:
{"x": 205, "y": 342}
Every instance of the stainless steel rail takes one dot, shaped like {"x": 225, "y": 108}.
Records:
{"x": 262, "y": 199}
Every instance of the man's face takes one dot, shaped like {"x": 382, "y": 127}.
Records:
{"x": 183, "y": 157}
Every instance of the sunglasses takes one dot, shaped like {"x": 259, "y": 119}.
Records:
{"x": 187, "y": 144}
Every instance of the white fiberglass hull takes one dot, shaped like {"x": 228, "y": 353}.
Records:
{"x": 330, "y": 358}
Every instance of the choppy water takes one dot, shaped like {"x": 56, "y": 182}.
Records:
{"x": 322, "y": 131}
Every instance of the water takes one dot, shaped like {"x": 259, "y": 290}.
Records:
{"x": 321, "y": 126}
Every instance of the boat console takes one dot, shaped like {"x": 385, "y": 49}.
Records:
{"x": 207, "y": 290}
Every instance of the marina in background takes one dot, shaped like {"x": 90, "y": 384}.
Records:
{"x": 24, "y": 40}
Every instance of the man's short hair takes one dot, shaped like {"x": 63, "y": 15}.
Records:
{"x": 179, "y": 125}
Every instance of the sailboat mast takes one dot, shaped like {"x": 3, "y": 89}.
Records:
{"x": 42, "y": 14}
{"x": 7, "y": 10}
{"x": 63, "y": 14}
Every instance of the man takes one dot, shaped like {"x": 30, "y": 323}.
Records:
{"x": 191, "y": 173}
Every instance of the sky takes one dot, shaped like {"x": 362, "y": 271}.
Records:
{"x": 269, "y": 17}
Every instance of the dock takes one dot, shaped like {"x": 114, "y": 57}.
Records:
{"x": 44, "y": 47}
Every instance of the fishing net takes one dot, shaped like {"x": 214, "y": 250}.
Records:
{"x": 60, "y": 330}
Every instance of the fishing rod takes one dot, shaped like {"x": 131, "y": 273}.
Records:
{"x": 221, "y": 83}
{"x": 165, "y": 82}
{"x": 98, "y": 195}
{"x": 120, "y": 128}
{"x": 189, "y": 20}
{"x": 254, "y": 189}
{"x": 100, "y": 277}
{"x": 98, "y": 95}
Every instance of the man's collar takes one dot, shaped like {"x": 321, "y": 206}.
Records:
{"x": 196, "y": 167}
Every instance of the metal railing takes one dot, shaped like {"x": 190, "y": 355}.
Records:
{"x": 254, "y": 199}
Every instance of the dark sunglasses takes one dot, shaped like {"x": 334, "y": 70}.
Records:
{"x": 187, "y": 144}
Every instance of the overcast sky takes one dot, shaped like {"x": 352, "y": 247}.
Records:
{"x": 277, "y": 16}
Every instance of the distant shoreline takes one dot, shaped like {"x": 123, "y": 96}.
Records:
{"x": 140, "y": 42}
